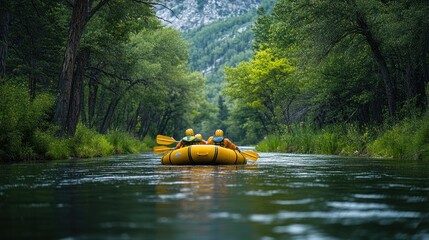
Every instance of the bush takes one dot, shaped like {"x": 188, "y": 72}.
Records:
{"x": 327, "y": 143}
{"x": 124, "y": 143}
{"x": 408, "y": 140}
{"x": 20, "y": 116}
{"x": 422, "y": 140}
{"x": 87, "y": 143}
{"x": 340, "y": 139}
{"x": 48, "y": 146}
{"x": 271, "y": 143}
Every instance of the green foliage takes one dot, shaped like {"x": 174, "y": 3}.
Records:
{"x": 340, "y": 50}
{"x": 123, "y": 143}
{"x": 422, "y": 139}
{"x": 19, "y": 117}
{"x": 272, "y": 143}
{"x": 343, "y": 140}
{"x": 267, "y": 85}
{"x": 87, "y": 143}
{"x": 327, "y": 143}
{"x": 36, "y": 56}
{"x": 48, "y": 146}
{"x": 407, "y": 140}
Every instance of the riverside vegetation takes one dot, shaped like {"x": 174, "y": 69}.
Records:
{"x": 407, "y": 140}
{"x": 322, "y": 77}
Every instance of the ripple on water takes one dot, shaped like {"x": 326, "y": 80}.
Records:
{"x": 176, "y": 196}
{"x": 226, "y": 215}
{"x": 262, "y": 192}
{"x": 292, "y": 229}
{"x": 293, "y": 202}
{"x": 355, "y": 205}
{"x": 349, "y": 214}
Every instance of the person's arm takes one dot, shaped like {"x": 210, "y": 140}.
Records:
{"x": 179, "y": 145}
{"x": 230, "y": 145}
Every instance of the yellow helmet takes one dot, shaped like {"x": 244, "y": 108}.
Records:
{"x": 189, "y": 132}
{"x": 219, "y": 133}
{"x": 199, "y": 136}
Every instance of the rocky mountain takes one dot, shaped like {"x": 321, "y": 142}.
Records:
{"x": 190, "y": 14}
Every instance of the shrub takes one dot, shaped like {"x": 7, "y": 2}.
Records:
{"x": 124, "y": 143}
{"x": 327, "y": 143}
{"x": 48, "y": 146}
{"x": 398, "y": 142}
{"x": 20, "y": 116}
{"x": 87, "y": 143}
{"x": 422, "y": 139}
{"x": 271, "y": 143}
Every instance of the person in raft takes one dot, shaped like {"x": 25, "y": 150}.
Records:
{"x": 188, "y": 140}
{"x": 199, "y": 139}
{"x": 222, "y": 141}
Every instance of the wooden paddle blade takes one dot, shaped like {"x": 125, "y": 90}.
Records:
{"x": 251, "y": 155}
{"x": 165, "y": 140}
{"x": 161, "y": 149}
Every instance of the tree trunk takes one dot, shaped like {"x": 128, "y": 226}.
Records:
{"x": 381, "y": 62}
{"x": 164, "y": 121}
{"x": 132, "y": 123}
{"x": 92, "y": 98}
{"x": 109, "y": 114}
{"x": 4, "y": 30}
{"x": 77, "y": 90}
{"x": 77, "y": 25}
{"x": 422, "y": 84}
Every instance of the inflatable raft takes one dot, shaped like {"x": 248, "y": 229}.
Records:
{"x": 203, "y": 155}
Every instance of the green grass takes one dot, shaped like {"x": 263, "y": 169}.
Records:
{"x": 407, "y": 140}
{"x": 87, "y": 143}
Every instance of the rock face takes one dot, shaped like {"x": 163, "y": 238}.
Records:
{"x": 190, "y": 14}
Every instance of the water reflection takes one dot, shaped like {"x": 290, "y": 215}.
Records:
{"x": 191, "y": 198}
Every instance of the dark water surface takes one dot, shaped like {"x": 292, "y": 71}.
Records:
{"x": 282, "y": 196}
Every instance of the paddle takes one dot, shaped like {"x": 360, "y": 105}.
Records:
{"x": 165, "y": 140}
{"x": 251, "y": 155}
{"x": 161, "y": 149}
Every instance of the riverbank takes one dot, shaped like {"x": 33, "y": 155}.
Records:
{"x": 86, "y": 143}
{"x": 406, "y": 140}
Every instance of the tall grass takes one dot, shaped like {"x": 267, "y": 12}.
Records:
{"x": 343, "y": 140}
{"x": 87, "y": 143}
{"x": 123, "y": 143}
{"x": 407, "y": 140}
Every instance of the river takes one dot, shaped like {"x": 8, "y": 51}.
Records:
{"x": 281, "y": 196}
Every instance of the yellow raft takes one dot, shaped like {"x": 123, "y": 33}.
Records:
{"x": 203, "y": 155}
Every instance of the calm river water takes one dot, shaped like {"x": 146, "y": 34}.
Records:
{"x": 281, "y": 196}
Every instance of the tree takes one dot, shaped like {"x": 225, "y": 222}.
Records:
{"x": 82, "y": 12}
{"x": 68, "y": 86}
{"x": 378, "y": 40}
{"x": 267, "y": 85}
